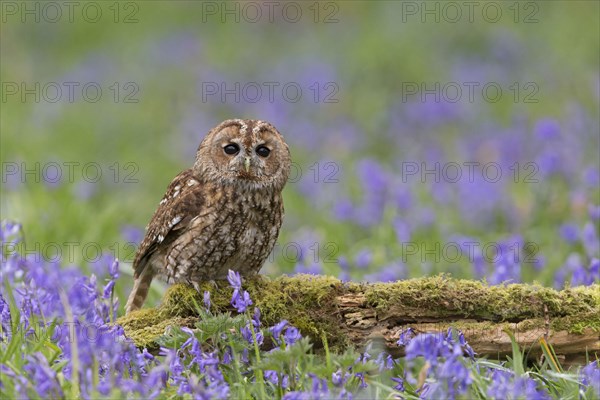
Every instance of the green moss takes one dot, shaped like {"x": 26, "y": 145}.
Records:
{"x": 306, "y": 301}
{"x": 309, "y": 303}
{"x": 445, "y": 297}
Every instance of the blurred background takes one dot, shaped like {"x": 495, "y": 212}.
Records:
{"x": 427, "y": 137}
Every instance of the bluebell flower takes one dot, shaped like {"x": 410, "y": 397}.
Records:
{"x": 345, "y": 267}
{"x": 388, "y": 273}
{"x": 319, "y": 389}
{"x": 343, "y": 209}
{"x": 594, "y": 212}
{"x": 84, "y": 190}
{"x": 364, "y": 356}
{"x": 592, "y": 176}
{"x": 227, "y": 357}
{"x": 292, "y": 335}
{"x": 108, "y": 289}
{"x": 297, "y": 395}
{"x": 10, "y": 232}
{"x": 241, "y": 301}
{"x": 206, "y": 299}
{"x": 590, "y": 240}
{"x": 590, "y": 376}
{"x": 569, "y": 233}
{"x": 113, "y": 270}
{"x": 507, "y": 263}
{"x": 406, "y": 336}
{"x": 399, "y": 384}
{"x": 45, "y": 378}
{"x": 234, "y": 278}
{"x": 247, "y": 335}
{"x": 547, "y": 129}
{"x": 361, "y": 378}
{"x": 207, "y": 360}
{"x": 339, "y": 378}
{"x": 276, "y": 377}
{"x": 454, "y": 372}
{"x": 430, "y": 346}
{"x": 402, "y": 230}
{"x": 277, "y": 329}
{"x": 363, "y": 258}
{"x": 505, "y": 385}
{"x": 132, "y": 234}
{"x": 256, "y": 318}
{"x": 311, "y": 268}
{"x": 384, "y": 361}
{"x": 463, "y": 342}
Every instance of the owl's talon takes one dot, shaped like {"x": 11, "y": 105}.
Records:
{"x": 213, "y": 283}
{"x": 197, "y": 287}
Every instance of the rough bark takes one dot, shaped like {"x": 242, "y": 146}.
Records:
{"x": 352, "y": 314}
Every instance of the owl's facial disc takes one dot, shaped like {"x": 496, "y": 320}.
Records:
{"x": 244, "y": 150}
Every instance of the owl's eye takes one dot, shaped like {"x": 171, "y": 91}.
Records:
{"x": 262, "y": 151}
{"x": 231, "y": 149}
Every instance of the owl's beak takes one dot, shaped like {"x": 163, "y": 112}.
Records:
{"x": 247, "y": 164}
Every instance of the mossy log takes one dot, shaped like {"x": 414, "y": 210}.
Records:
{"x": 351, "y": 314}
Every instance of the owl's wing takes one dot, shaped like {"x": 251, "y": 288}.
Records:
{"x": 183, "y": 201}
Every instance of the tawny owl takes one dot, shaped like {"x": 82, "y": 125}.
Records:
{"x": 223, "y": 213}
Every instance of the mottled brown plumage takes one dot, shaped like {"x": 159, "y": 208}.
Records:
{"x": 223, "y": 213}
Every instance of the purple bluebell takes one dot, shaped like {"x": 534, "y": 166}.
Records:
{"x": 384, "y": 361}
{"x": 46, "y": 380}
{"x": 402, "y": 230}
{"x": 547, "y": 129}
{"x": 569, "y": 233}
{"x": 298, "y": 395}
{"x": 339, "y": 378}
{"x": 361, "y": 379}
{"x": 388, "y": 273}
{"x": 363, "y": 258}
{"x": 276, "y": 377}
{"x": 234, "y": 278}
{"x": 506, "y": 385}
{"x": 463, "y": 342}
{"x": 594, "y": 212}
{"x": 592, "y": 176}
{"x": 241, "y": 301}
{"x": 132, "y": 234}
{"x": 277, "y": 329}
{"x": 10, "y": 230}
{"x": 590, "y": 376}
{"x": 399, "y": 384}
{"x": 343, "y": 209}
{"x": 256, "y": 318}
{"x": 310, "y": 268}
{"x": 206, "y": 299}
{"x": 292, "y": 335}
{"x": 364, "y": 356}
{"x": 430, "y": 346}
{"x": 590, "y": 239}
{"x": 84, "y": 190}
{"x": 247, "y": 335}
{"x": 406, "y": 336}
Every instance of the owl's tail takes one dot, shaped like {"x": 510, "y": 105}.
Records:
{"x": 141, "y": 286}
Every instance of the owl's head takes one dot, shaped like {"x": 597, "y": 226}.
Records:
{"x": 244, "y": 151}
